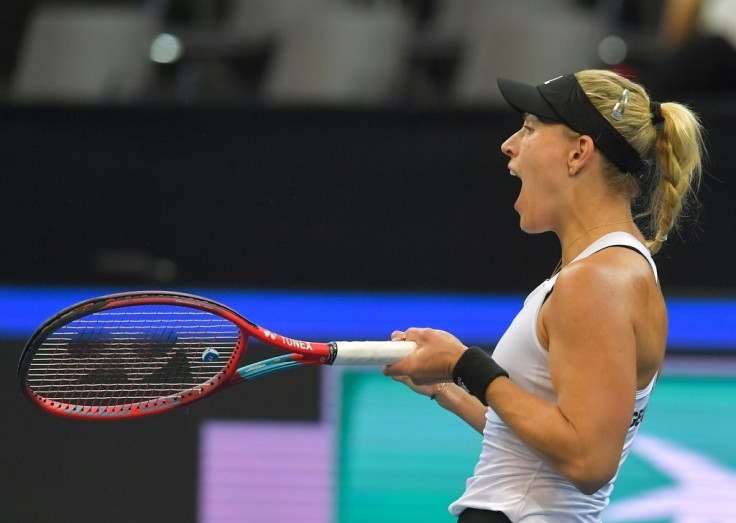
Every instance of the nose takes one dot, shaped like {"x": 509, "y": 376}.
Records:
{"x": 510, "y": 146}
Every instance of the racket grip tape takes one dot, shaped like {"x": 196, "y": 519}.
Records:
{"x": 369, "y": 352}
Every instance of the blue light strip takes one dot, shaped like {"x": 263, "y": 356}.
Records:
{"x": 695, "y": 324}
{"x": 700, "y": 323}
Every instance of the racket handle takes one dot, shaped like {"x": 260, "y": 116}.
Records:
{"x": 371, "y": 352}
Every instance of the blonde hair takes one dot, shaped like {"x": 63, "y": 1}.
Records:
{"x": 676, "y": 149}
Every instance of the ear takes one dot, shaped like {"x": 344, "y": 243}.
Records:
{"x": 580, "y": 154}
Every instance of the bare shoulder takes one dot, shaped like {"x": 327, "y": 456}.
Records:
{"x": 613, "y": 272}
{"x": 613, "y": 290}
{"x": 611, "y": 295}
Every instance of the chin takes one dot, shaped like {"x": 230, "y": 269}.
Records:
{"x": 530, "y": 227}
{"x": 527, "y": 229}
{"x": 524, "y": 221}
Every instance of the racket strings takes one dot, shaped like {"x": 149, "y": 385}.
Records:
{"x": 131, "y": 355}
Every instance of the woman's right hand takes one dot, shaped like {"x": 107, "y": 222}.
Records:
{"x": 424, "y": 390}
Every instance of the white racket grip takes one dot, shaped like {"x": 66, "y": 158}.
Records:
{"x": 371, "y": 352}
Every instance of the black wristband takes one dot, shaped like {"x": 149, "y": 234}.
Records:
{"x": 475, "y": 370}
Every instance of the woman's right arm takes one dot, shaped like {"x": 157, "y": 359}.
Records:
{"x": 454, "y": 399}
{"x": 466, "y": 406}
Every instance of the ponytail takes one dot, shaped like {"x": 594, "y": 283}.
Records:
{"x": 678, "y": 150}
{"x": 669, "y": 133}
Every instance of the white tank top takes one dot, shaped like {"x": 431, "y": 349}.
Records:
{"x": 510, "y": 476}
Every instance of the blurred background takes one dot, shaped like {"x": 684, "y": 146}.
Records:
{"x": 331, "y": 169}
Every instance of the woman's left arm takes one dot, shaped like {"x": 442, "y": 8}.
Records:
{"x": 588, "y": 324}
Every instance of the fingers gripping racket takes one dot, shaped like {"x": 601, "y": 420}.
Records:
{"x": 142, "y": 353}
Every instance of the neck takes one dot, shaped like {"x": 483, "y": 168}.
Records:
{"x": 574, "y": 244}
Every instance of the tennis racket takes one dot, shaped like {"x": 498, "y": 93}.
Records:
{"x": 143, "y": 353}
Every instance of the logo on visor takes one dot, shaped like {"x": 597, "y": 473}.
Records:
{"x": 553, "y": 79}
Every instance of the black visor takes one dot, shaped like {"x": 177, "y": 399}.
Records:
{"x": 563, "y": 100}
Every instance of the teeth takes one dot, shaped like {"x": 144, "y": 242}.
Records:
{"x": 512, "y": 173}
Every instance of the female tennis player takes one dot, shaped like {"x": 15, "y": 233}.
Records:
{"x": 570, "y": 379}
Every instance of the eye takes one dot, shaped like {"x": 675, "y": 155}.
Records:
{"x": 529, "y": 129}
